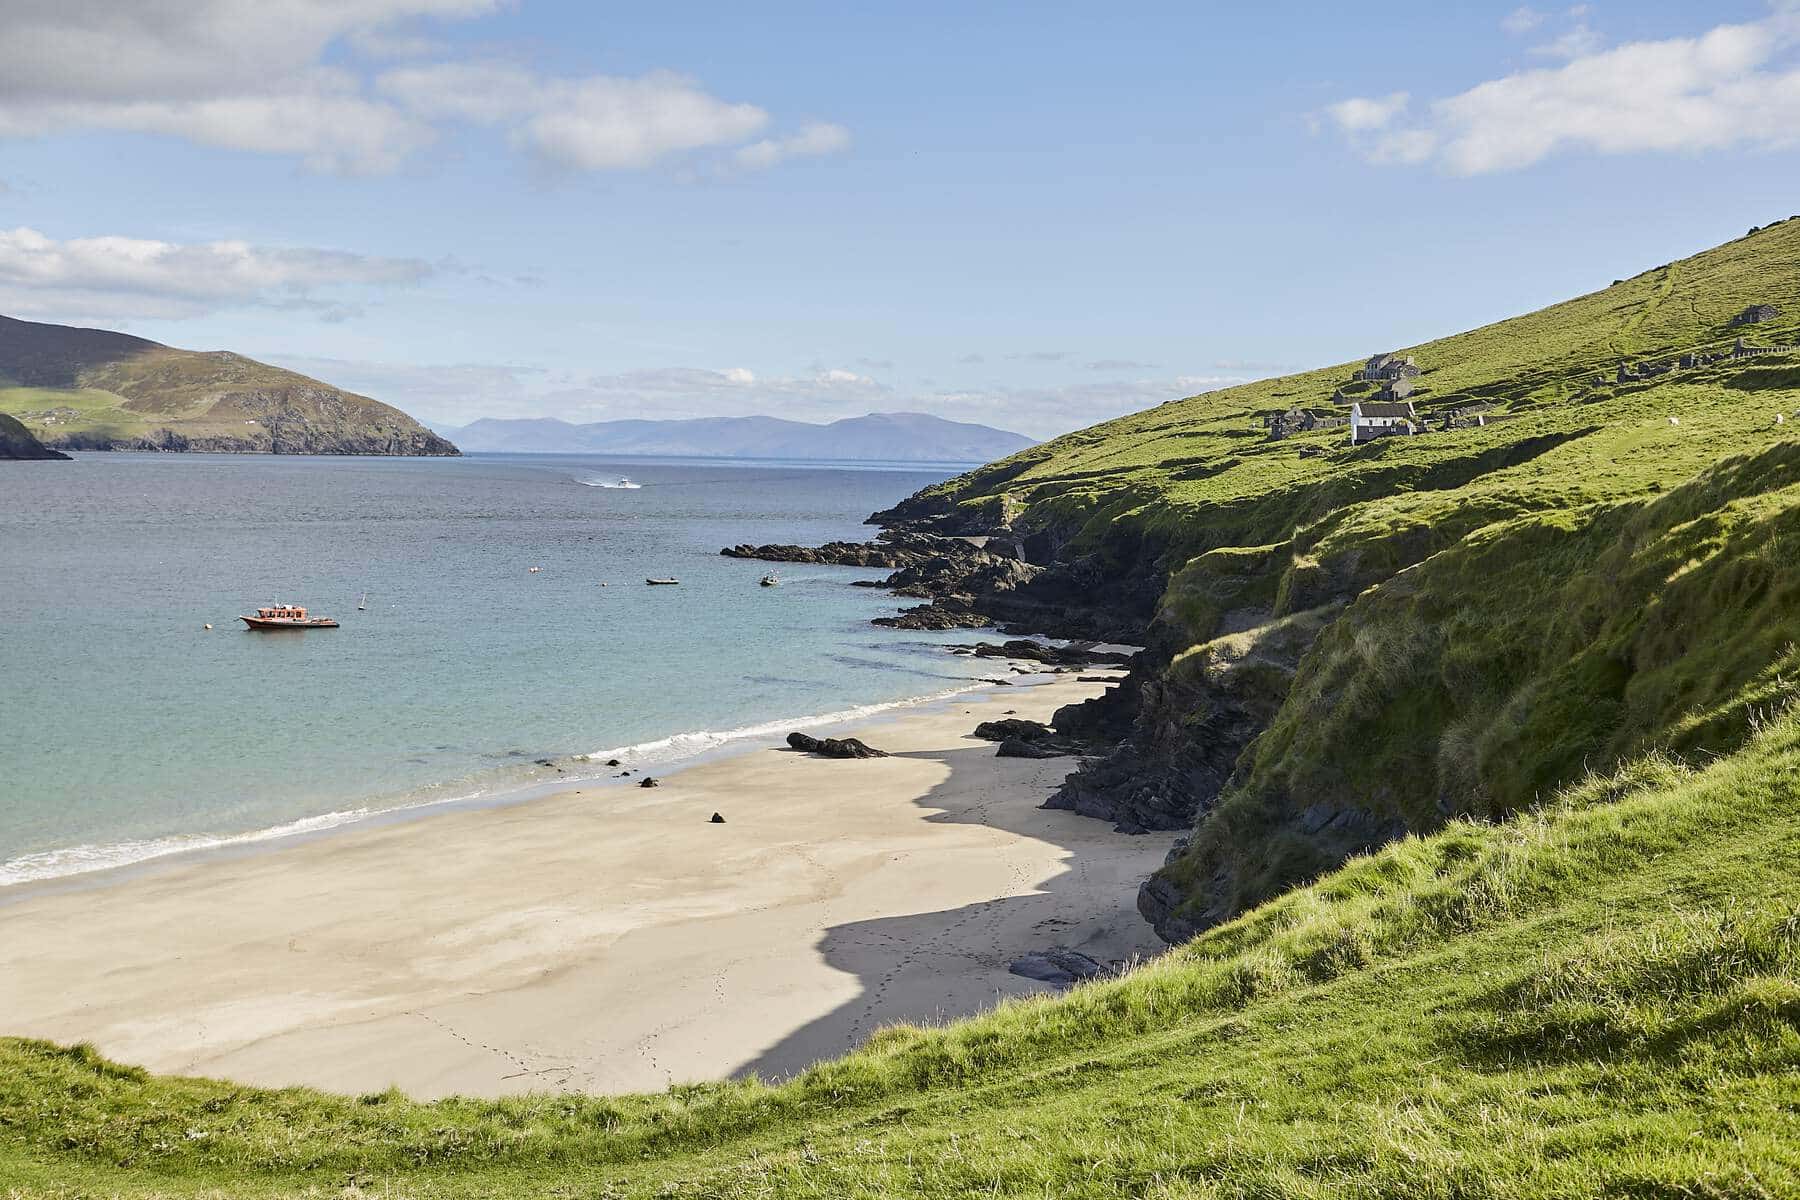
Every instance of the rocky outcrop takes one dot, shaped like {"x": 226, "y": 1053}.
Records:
{"x": 1027, "y": 748}
{"x": 1074, "y": 655}
{"x": 294, "y": 438}
{"x": 1027, "y": 739}
{"x": 1061, "y": 966}
{"x": 1191, "y": 723}
{"x": 1014, "y": 727}
{"x": 833, "y": 747}
{"x": 897, "y": 549}
{"x": 17, "y": 442}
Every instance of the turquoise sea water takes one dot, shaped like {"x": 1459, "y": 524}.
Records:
{"x": 128, "y": 731}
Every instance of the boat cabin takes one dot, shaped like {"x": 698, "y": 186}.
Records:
{"x": 282, "y": 612}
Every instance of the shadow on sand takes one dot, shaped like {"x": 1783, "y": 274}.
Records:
{"x": 930, "y": 967}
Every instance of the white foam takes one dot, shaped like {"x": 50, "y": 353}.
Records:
{"x": 52, "y": 864}
{"x": 80, "y": 860}
{"x": 687, "y": 745}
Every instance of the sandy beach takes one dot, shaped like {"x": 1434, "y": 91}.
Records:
{"x": 604, "y": 939}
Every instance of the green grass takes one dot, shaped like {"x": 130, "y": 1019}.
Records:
{"x": 53, "y": 411}
{"x": 216, "y": 400}
{"x": 1552, "y": 662}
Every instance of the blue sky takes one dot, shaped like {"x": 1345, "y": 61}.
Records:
{"x": 1034, "y": 216}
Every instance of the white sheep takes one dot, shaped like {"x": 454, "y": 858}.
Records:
{"x": 1674, "y": 420}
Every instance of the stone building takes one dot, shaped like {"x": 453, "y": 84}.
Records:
{"x": 1371, "y": 419}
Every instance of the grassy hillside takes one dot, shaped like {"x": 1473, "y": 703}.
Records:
{"x": 1496, "y": 894}
{"x": 93, "y": 389}
{"x": 1605, "y": 568}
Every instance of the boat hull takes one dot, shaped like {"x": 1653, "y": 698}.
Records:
{"x": 309, "y": 623}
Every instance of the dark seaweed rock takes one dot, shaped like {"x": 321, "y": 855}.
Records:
{"x": 1075, "y": 655}
{"x": 933, "y": 616}
{"x": 833, "y": 747}
{"x": 1060, "y": 966}
{"x": 1014, "y": 728}
{"x": 717, "y": 819}
{"x": 894, "y": 550}
{"x": 649, "y": 781}
{"x": 1019, "y": 748}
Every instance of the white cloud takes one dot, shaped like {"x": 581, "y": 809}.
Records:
{"x": 256, "y": 75}
{"x": 123, "y": 277}
{"x": 813, "y": 141}
{"x": 1522, "y": 20}
{"x": 1578, "y": 41}
{"x": 1734, "y": 86}
{"x": 604, "y": 124}
{"x": 1360, "y": 114}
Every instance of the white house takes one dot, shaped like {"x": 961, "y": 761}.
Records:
{"x": 1370, "y": 419}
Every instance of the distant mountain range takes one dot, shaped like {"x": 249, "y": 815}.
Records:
{"x": 93, "y": 389}
{"x": 890, "y": 437}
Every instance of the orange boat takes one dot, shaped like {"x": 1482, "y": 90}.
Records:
{"x": 286, "y": 616}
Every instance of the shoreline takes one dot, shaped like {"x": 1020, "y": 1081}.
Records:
{"x": 600, "y": 938}
{"x": 124, "y": 863}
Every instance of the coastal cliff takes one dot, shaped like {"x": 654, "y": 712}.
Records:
{"x": 93, "y": 389}
{"x": 16, "y": 442}
{"x": 1351, "y": 643}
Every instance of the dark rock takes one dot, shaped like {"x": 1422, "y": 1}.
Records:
{"x": 1061, "y": 966}
{"x": 16, "y": 441}
{"x": 1020, "y": 748}
{"x": 649, "y": 781}
{"x": 833, "y": 747}
{"x": 894, "y": 549}
{"x": 1002, "y": 730}
{"x": 1157, "y": 899}
{"x": 1186, "y": 733}
{"x": 612, "y": 762}
{"x": 1074, "y": 655}
{"x": 931, "y": 616}
{"x": 717, "y": 819}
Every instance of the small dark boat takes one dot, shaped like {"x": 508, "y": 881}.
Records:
{"x": 770, "y": 580}
{"x": 286, "y": 616}
{"x": 662, "y": 582}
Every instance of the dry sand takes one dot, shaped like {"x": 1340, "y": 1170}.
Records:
{"x": 606, "y": 939}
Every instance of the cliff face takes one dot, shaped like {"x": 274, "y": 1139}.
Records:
{"x": 90, "y": 389}
{"x": 16, "y": 441}
{"x": 1347, "y": 644}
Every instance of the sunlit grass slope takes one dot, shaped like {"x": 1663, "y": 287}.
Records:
{"x": 95, "y": 389}
{"x": 1605, "y": 568}
{"x": 1549, "y": 664}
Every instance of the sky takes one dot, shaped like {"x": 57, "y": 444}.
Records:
{"x": 1034, "y": 216}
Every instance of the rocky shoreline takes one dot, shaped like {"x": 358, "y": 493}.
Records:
{"x": 17, "y": 442}
{"x": 300, "y": 440}
{"x": 1138, "y": 763}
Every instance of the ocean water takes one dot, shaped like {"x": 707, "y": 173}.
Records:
{"x": 127, "y": 731}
